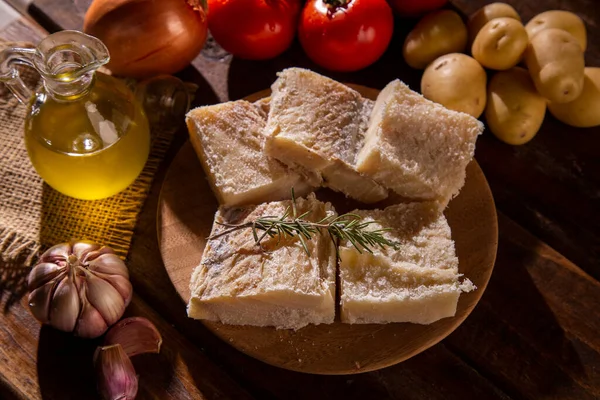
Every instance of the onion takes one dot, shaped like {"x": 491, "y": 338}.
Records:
{"x": 148, "y": 37}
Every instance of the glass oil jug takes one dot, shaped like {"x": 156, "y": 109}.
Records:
{"x": 86, "y": 134}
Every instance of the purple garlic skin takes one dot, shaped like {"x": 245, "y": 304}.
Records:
{"x": 116, "y": 376}
{"x": 79, "y": 287}
{"x": 136, "y": 335}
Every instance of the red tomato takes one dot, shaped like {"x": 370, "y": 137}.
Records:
{"x": 253, "y": 29}
{"x": 348, "y": 37}
{"x": 413, "y": 8}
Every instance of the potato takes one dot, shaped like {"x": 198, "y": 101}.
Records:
{"x": 555, "y": 61}
{"x": 438, "y": 33}
{"x": 565, "y": 20}
{"x": 583, "y": 112}
{"x": 457, "y": 82}
{"x": 500, "y": 43}
{"x": 515, "y": 110}
{"x": 488, "y": 13}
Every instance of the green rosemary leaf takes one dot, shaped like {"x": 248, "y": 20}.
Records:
{"x": 294, "y": 203}
{"x": 304, "y": 245}
{"x": 254, "y": 233}
{"x": 304, "y": 215}
{"x": 345, "y": 227}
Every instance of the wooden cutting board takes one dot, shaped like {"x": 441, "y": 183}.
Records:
{"x": 185, "y": 216}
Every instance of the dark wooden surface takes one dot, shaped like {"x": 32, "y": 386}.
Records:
{"x": 534, "y": 335}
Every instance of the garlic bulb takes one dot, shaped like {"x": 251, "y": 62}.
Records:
{"x": 79, "y": 287}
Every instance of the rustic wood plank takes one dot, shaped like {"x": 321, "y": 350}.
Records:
{"x": 535, "y": 330}
{"x": 41, "y": 362}
{"x": 551, "y": 186}
{"x": 22, "y": 30}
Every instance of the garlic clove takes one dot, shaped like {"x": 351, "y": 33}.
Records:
{"x": 44, "y": 273}
{"x": 82, "y": 248}
{"x": 105, "y": 298}
{"x": 115, "y": 373}
{"x": 104, "y": 250}
{"x": 108, "y": 264}
{"x": 39, "y": 301}
{"x": 92, "y": 255}
{"x": 60, "y": 251}
{"x": 121, "y": 284}
{"x": 64, "y": 307}
{"x": 90, "y": 323}
{"x": 137, "y": 335}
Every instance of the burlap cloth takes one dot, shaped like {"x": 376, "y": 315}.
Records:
{"x": 33, "y": 216}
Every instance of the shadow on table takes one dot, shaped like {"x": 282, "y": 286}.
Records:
{"x": 65, "y": 367}
{"x": 205, "y": 94}
{"x": 247, "y": 76}
{"x": 13, "y": 281}
{"x": 192, "y": 205}
{"x": 513, "y": 334}
{"x": 66, "y": 370}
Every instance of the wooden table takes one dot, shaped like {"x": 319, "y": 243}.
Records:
{"x": 534, "y": 335}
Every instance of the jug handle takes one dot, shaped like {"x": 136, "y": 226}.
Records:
{"x": 9, "y": 74}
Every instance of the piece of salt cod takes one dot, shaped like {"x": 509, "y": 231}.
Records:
{"x": 418, "y": 282}
{"x": 228, "y": 139}
{"x": 278, "y": 284}
{"x": 263, "y": 106}
{"x": 417, "y": 148}
{"x": 319, "y": 124}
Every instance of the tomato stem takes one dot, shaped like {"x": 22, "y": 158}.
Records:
{"x": 336, "y": 3}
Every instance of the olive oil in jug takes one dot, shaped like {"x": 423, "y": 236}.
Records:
{"x": 86, "y": 134}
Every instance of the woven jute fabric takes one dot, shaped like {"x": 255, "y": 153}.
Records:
{"x": 33, "y": 216}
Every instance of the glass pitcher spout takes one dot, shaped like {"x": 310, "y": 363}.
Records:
{"x": 65, "y": 60}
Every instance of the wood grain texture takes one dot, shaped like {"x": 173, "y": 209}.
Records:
{"x": 186, "y": 214}
{"x": 22, "y": 30}
{"x": 536, "y": 330}
{"x": 39, "y": 362}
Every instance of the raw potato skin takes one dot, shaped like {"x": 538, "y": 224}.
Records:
{"x": 488, "y": 13}
{"x": 500, "y": 43}
{"x": 565, "y": 20}
{"x": 515, "y": 110}
{"x": 438, "y": 33}
{"x": 555, "y": 61}
{"x": 584, "y": 112}
{"x": 457, "y": 82}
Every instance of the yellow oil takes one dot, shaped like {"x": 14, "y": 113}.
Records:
{"x": 91, "y": 147}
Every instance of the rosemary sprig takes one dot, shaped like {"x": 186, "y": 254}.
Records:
{"x": 343, "y": 227}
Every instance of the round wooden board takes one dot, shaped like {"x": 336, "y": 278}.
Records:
{"x": 185, "y": 217}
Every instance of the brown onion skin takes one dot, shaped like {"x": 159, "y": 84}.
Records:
{"x": 146, "y": 38}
